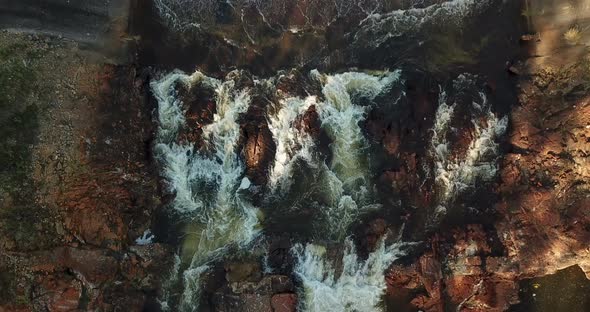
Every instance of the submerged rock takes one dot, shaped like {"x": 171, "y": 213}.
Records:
{"x": 269, "y": 293}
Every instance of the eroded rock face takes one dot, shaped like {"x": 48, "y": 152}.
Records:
{"x": 462, "y": 272}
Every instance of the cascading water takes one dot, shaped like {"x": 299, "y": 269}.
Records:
{"x": 206, "y": 182}
{"x": 212, "y": 195}
{"x": 456, "y": 173}
{"x": 293, "y": 144}
{"x": 347, "y": 177}
{"x": 344, "y": 183}
{"x": 358, "y": 287}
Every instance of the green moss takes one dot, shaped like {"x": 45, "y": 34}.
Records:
{"x": 7, "y": 285}
{"x": 21, "y": 102}
{"x": 17, "y": 134}
{"x": 28, "y": 226}
{"x": 17, "y": 75}
{"x": 18, "y": 117}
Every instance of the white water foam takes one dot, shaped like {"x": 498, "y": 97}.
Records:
{"x": 359, "y": 286}
{"x": 455, "y": 175}
{"x": 346, "y": 177}
{"x": 206, "y": 183}
{"x": 292, "y": 144}
{"x": 344, "y": 182}
{"x": 382, "y": 27}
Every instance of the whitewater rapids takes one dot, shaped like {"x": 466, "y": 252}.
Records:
{"x": 455, "y": 174}
{"x": 209, "y": 183}
{"x": 206, "y": 183}
{"x": 358, "y": 287}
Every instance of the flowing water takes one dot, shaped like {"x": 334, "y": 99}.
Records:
{"x": 222, "y": 210}
{"x": 456, "y": 173}
{"x": 293, "y": 144}
{"x": 207, "y": 183}
{"x": 358, "y": 285}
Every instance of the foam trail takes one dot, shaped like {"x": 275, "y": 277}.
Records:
{"x": 480, "y": 161}
{"x": 358, "y": 288}
{"x": 439, "y": 145}
{"x": 344, "y": 181}
{"x": 206, "y": 183}
{"x": 383, "y": 27}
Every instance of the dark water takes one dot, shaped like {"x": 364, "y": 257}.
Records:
{"x": 567, "y": 290}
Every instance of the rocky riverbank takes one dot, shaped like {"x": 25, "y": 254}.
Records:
{"x": 78, "y": 184}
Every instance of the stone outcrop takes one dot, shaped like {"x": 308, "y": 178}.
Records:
{"x": 248, "y": 291}
{"x": 85, "y": 189}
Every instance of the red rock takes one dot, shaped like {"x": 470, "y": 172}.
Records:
{"x": 14, "y": 308}
{"x": 309, "y": 122}
{"x": 67, "y": 300}
{"x": 284, "y": 303}
{"x": 430, "y": 273}
{"x": 58, "y": 293}
{"x": 258, "y": 151}
{"x": 392, "y": 141}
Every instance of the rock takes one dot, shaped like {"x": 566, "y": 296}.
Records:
{"x": 392, "y": 140}
{"x": 58, "y": 293}
{"x": 374, "y": 232}
{"x": 242, "y": 303}
{"x": 530, "y": 37}
{"x": 255, "y": 295}
{"x": 514, "y": 70}
{"x": 258, "y": 151}
{"x": 243, "y": 271}
{"x": 284, "y": 303}
{"x": 310, "y": 122}
{"x": 430, "y": 273}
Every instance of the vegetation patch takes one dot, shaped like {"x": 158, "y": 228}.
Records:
{"x": 21, "y": 103}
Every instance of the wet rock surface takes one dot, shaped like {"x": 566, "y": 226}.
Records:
{"x": 268, "y": 293}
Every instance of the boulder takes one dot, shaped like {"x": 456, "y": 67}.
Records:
{"x": 284, "y": 302}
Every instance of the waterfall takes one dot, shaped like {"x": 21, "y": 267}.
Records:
{"x": 358, "y": 287}
{"x": 344, "y": 182}
{"x": 292, "y": 144}
{"x": 346, "y": 179}
{"x": 456, "y": 173}
{"x": 206, "y": 182}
